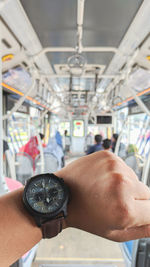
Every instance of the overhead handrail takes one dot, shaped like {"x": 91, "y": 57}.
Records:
{"x": 19, "y": 102}
{"x": 73, "y": 49}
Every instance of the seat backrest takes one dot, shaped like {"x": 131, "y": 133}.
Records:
{"x": 50, "y": 164}
{"x": 24, "y": 167}
{"x": 37, "y": 165}
{"x": 132, "y": 162}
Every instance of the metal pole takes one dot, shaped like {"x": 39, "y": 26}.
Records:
{"x": 146, "y": 170}
{"x": 3, "y": 186}
{"x": 1, "y": 131}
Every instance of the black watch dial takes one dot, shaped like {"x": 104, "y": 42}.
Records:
{"x": 45, "y": 194}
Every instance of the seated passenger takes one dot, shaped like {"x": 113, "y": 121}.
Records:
{"x": 122, "y": 148}
{"x": 32, "y": 147}
{"x": 54, "y": 149}
{"x": 58, "y": 138}
{"x": 97, "y": 146}
{"x": 106, "y": 144}
{"x": 131, "y": 159}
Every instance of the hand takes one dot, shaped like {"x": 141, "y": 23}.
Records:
{"x": 107, "y": 199}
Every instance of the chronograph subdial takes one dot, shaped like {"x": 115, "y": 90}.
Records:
{"x": 39, "y": 197}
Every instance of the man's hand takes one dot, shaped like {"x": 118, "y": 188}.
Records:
{"x": 107, "y": 199}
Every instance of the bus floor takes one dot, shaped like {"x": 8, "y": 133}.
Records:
{"x": 76, "y": 248}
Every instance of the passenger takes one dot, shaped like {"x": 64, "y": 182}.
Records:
{"x": 5, "y": 148}
{"x": 88, "y": 141}
{"x": 131, "y": 159}
{"x": 56, "y": 150}
{"x": 59, "y": 139}
{"x": 106, "y": 199}
{"x": 97, "y": 146}
{"x": 32, "y": 148}
{"x": 122, "y": 148}
{"x": 66, "y": 141}
{"x": 107, "y": 144}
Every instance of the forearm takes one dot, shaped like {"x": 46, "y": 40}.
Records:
{"x": 18, "y": 231}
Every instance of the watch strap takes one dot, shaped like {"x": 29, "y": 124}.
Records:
{"x": 52, "y": 227}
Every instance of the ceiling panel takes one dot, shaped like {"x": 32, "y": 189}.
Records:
{"x": 53, "y": 20}
{"x": 106, "y": 22}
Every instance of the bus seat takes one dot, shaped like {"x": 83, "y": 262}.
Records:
{"x": 127, "y": 248}
{"x": 131, "y": 161}
{"x": 136, "y": 253}
{"x": 24, "y": 167}
{"x": 50, "y": 164}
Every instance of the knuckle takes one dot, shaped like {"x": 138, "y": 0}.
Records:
{"x": 107, "y": 154}
{"x": 123, "y": 201}
{"x": 122, "y": 183}
{"x": 117, "y": 185}
{"x": 118, "y": 179}
{"x": 112, "y": 164}
{"x": 125, "y": 216}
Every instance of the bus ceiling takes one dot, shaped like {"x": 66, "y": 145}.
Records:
{"x": 74, "y": 55}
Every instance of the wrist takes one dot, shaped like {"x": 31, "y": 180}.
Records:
{"x": 69, "y": 221}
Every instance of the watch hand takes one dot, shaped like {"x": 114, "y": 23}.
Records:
{"x": 43, "y": 183}
{"x": 47, "y": 200}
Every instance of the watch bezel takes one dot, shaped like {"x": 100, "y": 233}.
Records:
{"x": 49, "y": 215}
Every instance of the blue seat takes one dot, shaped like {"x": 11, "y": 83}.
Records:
{"x": 127, "y": 249}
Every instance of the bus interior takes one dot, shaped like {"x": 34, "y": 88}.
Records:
{"x": 70, "y": 70}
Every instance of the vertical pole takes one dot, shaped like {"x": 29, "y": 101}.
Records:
{"x": 1, "y": 131}
{"x": 3, "y": 186}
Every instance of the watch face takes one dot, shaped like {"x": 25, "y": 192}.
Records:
{"x": 45, "y": 194}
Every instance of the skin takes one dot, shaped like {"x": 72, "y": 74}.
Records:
{"x": 106, "y": 199}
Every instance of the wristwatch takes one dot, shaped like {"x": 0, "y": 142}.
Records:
{"x": 46, "y": 198}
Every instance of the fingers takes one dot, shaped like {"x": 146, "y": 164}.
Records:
{"x": 142, "y": 212}
{"x": 141, "y": 191}
{"x": 130, "y": 234}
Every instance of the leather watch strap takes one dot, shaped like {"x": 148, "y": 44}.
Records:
{"x": 52, "y": 228}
